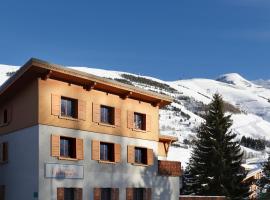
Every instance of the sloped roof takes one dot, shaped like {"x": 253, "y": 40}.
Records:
{"x": 39, "y": 68}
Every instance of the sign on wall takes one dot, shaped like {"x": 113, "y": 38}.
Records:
{"x": 63, "y": 171}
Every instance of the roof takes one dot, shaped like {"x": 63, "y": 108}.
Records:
{"x": 39, "y": 68}
{"x": 167, "y": 138}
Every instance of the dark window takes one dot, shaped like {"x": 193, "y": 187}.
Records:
{"x": 67, "y": 147}
{"x": 139, "y": 121}
{"x": 69, "y": 194}
{"x": 140, "y": 155}
{"x": 107, "y": 151}
{"x": 106, "y": 193}
{"x": 138, "y": 194}
{"x": 69, "y": 107}
{"x": 5, "y": 152}
{"x": 5, "y": 116}
{"x": 107, "y": 114}
{"x": 2, "y": 192}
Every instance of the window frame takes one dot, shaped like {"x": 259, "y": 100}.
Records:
{"x": 138, "y": 193}
{"x": 72, "y": 154}
{"x": 142, "y": 158}
{"x": 108, "y": 193}
{"x": 142, "y": 126}
{"x": 110, "y": 151}
{"x": 110, "y": 115}
{"x": 73, "y": 107}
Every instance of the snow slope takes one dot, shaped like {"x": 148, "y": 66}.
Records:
{"x": 182, "y": 117}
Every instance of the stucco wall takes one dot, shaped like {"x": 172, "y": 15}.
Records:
{"x": 120, "y": 175}
{"x": 20, "y": 174}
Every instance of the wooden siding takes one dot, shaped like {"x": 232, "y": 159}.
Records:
{"x": 169, "y": 168}
{"x": 202, "y": 198}
{"x": 22, "y": 107}
{"x": 93, "y": 99}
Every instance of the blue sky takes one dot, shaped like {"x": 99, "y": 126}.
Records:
{"x": 165, "y": 39}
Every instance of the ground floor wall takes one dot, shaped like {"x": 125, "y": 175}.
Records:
{"x": 19, "y": 175}
{"x": 102, "y": 175}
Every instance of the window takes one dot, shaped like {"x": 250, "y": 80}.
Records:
{"x": 69, "y": 107}
{"x": 106, "y": 193}
{"x": 107, "y": 151}
{"x": 140, "y": 155}
{"x": 139, "y": 121}
{"x": 5, "y": 118}
{"x": 2, "y": 192}
{"x": 138, "y": 193}
{"x": 69, "y": 194}
{"x": 107, "y": 115}
{"x": 3, "y": 152}
{"x": 67, "y": 147}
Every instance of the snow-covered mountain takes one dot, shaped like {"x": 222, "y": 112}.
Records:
{"x": 247, "y": 101}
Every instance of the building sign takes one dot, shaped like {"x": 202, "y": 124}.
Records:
{"x": 63, "y": 171}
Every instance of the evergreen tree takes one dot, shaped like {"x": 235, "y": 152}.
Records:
{"x": 215, "y": 163}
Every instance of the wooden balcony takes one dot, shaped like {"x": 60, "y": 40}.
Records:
{"x": 169, "y": 168}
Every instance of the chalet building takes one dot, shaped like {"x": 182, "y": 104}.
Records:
{"x": 69, "y": 135}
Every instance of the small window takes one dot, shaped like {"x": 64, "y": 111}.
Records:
{"x": 67, "y": 147}
{"x": 69, "y": 194}
{"x": 106, "y": 193}
{"x": 4, "y": 152}
{"x": 139, "y": 121}
{"x": 5, "y": 118}
{"x": 107, "y": 115}
{"x": 2, "y": 192}
{"x": 107, "y": 151}
{"x": 138, "y": 193}
{"x": 140, "y": 155}
{"x": 69, "y": 107}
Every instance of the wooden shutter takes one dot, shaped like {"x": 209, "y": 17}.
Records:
{"x": 150, "y": 157}
{"x": 96, "y": 113}
{"x": 115, "y": 193}
{"x": 5, "y": 152}
{"x": 129, "y": 194}
{"x": 130, "y": 119}
{"x": 117, "y": 153}
{"x": 2, "y": 192}
{"x": 60, "y": 194}
{"x": 56, "y": 101}
{"x": 149, "y": 194}
{"x": 78, "y": 193}
{"x": 95, "y": 150}
{"x": 55, "y": 145}
{"x": 117, "y": 116}
{"x": 131, "y": 154}
{"x": 79, "y": 149}
{"x": 81, "y": 110}
{"x": 148, "y": 123}
{"x": 97, "y": 193}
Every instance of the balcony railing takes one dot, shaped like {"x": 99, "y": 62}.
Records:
{"x": 169, "y": 168}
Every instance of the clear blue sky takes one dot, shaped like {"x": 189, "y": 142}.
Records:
{"x": 165, "y": 39}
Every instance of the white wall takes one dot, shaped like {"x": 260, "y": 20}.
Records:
{"x": 120, "y": 175}
{"x": 20, "y": 174}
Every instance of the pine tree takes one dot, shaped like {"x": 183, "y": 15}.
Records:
{"x": 215, "y": 162}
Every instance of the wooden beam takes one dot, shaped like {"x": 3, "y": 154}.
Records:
{"x": 126, "y": 95}
{"x": 46, "y": 75}
{"x": 157, "y": 104}
{"x": 90, "y": 86}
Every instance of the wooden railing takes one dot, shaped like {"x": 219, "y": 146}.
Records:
{"x": 169, "y": 168}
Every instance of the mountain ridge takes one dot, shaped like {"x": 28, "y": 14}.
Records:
{"x": 247, "y": 101}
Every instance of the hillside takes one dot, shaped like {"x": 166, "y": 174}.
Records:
{"x": 248, "y": 103}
